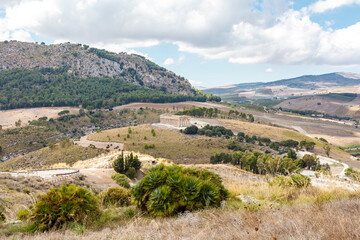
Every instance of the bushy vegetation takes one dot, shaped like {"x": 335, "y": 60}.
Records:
{"x": 200, "y": 112}
{"x": 116, "y": 196}
{"x": 215, "y": 131}
{"x": 22, "y": 88}
{"x": 2, "y": 217}
{"x": 295, "y": 180}
{"x": 167, "y": 190}
{"x": 309, "y": 145}
{"x": 127, "y": 164}
{"x": 214, "y": 112}
{"x": 121, "y": 179}
{"x": 353, "y": 174}
{"x": 258, "y": 163}
{"x": 147, "y": 146}
{"x": 61, "y": 206}
{"x": 192, "y": 130}
{"x": 208, "y": 130}
{"x": 316, "y": 114}
{"x": 281, "y": 147}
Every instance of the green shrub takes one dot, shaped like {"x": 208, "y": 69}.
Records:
{"x": 295, "y": 180}
{"x": 2, "y": 217}
{"x": 62, "y": 206}
{"x": 167, "y": 190}
{"x": 122, "y": 164}
{"x": 130, "y": 212}
{"x": 121, "y": 179}
{"x": 131, "y": 173}
{"x": 147, "y": 146}
{"x": 191, "y": 130}
{"x": 353, "y": 174}
{"x": 23, "y": 214}
{"x": 116, "y": 196}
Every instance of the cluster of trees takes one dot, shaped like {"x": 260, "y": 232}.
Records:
{"x": 315, "y": 113}
{"x": 210, "y": 131}
{"x": 282, "y": 146}
{"x": 102, "y": 53}
{"x": 127, "y": 165}
{"x": 308, "y": 145}
{"x": 200, "y": 112}
{"x": 242, "y": 115}
{"x": 214, "y": 112}
{"x": 23, "y": 88}
{"x": 258, "y": 163}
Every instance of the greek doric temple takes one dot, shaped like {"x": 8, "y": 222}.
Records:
{"x": 175, "y": 120}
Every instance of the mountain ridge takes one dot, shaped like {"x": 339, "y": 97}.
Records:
{"x": 84, "y": 61}
{"x": 335, "y": 79}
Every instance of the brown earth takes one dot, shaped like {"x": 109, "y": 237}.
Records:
{"x": 9, "y": 117}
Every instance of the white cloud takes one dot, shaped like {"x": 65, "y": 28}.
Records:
{"x": 240, "y": 31}
{"x": 21, "y": 35}
{"x": 269, "y": 70}
{"x": 169, "y": 61}
{"x": 326, "y": 5}
{"x": 195, "y": 83}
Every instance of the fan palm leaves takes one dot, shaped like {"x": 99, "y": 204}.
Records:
{"x": 167, "y": 190}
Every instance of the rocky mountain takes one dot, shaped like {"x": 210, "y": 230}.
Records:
{"x": 84, "y": 61}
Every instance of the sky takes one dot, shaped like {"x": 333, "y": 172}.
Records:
{"x": 210, "y": 42}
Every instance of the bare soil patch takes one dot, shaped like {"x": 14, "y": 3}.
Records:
{"x": 9, "y": 117}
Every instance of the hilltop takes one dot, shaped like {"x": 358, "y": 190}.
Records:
{"x": 299, "y": 86}
{"x": 33, "y": 75}
{"x": 84, "y": 61}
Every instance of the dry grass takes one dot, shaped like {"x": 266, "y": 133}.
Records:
{"x": 279, "y": 134}
{"x": 335, "y": 220}
{"x": 169, "y": 144}
{"x": 17, "y": 193}
{"x": 47, "y": 157}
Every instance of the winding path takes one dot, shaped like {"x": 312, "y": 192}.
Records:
{"x": 84, "y": 142}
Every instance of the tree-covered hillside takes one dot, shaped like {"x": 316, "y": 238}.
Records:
{"x": 23, "y": 88}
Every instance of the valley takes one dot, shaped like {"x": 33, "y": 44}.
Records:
{"x": 86, "y": 126}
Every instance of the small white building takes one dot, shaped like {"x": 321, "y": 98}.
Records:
{"x": 175, "y": 120}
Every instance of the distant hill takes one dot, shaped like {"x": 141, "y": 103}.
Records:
{"x": 36, "y": 75}
{"x": 300, "y": 86}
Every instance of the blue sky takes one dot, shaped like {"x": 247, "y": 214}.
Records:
{"x": 210, "y": 42}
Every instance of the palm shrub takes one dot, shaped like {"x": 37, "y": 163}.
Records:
{"x": 295, "y": 180}
{"x": 116, "y": 196}
{"x": 167, "y": 190}
{"x": 61, "y": 206}
{"x": 121, "y": 179}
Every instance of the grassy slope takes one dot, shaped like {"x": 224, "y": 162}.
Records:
{"x": 46, "y": 157}
{"x": 168, "y": 144}
{"x": 26, "y": 139}
{"x": 31, "y": 138}
{"x": 279, "y": 134}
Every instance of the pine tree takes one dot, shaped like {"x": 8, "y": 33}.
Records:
{"x": 118, "y": 164}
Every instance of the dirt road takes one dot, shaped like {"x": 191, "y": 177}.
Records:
{"x": 84, "y": 142}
